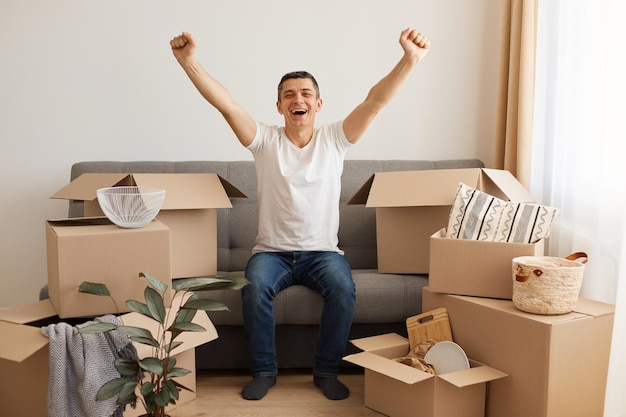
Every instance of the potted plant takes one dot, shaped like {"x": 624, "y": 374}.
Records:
{"x": 154, "y": 376}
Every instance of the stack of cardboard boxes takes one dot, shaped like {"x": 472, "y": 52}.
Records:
{"x": 556, "y": 366}
{"x": 180, "y": 242}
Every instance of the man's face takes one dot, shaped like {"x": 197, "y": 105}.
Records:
{"x": 298, "y": 102}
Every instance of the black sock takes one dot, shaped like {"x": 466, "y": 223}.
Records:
{"x": 259, "y": 386}
{"x": 332, "y": 388}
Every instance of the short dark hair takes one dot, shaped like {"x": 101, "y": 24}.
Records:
{"x": 297, "y": 74}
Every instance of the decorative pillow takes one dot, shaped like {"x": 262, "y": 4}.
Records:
{"x": 477, "y": 215}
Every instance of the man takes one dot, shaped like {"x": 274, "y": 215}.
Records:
{"x": 299, "y": 171}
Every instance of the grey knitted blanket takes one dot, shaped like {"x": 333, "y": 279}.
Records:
{"x": 79, "y": 365}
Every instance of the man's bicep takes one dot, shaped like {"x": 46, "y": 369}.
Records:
{"x": 242, "y": 124}
{"x": 357, "y": 122}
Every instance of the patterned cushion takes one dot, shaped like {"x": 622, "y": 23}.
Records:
{"x": 477, "y": 215}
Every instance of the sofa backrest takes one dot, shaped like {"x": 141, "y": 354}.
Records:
{"x": 236, "y": 231}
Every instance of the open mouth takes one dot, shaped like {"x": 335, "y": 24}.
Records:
{"x": 299, "y": 112}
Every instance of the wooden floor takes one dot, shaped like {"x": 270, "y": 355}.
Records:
{"x": 294, "y": 395}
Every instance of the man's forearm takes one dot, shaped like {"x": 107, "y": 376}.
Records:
{"x": 382, "y": 93}
{"x": 214, "y": 92}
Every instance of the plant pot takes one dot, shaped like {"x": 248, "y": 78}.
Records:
{"x": 148, "y": 415}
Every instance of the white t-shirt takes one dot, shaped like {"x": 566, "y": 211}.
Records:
{"x": 298, "y": 189}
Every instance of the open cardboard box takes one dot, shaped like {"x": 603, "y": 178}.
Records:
{"x": 557, "y": 364}
{"x": 189, "y": 210}
{"x": 94, "y": 249}
{"x": 475, "y": 267}
{"x": 398, "y": 390}
{"x": 24, "y": 357}
{"x": 412, "y": 205}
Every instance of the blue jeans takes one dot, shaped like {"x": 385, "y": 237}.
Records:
{"x": 325, "y": 272}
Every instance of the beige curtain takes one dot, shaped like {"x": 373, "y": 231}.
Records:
{"x": 516, "y": 88}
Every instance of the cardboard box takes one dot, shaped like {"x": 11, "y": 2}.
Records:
{"x": 474, "y": 267}
{"x": 189, "y": 210}
{"x": 94, "y": 249}
{"x": 398, "y": 390}
{"x": 24, "y": 358}
{"x": 412, "y": 205}
{"x": 557, "y": 365}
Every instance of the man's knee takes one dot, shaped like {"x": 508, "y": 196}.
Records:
{"x": 338, "y": 278}
{"x": 266, "y": 274}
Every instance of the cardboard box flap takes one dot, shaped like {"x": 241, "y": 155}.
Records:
{"x": 84, "y": 187}
{"x": 29, "y": 313}
{"x": 30, "y": 341}
{"x": 436, "y": 187}
{"x": 414, "y": 188}
{"x": 504, "y": 185}
{"x": 593, "y": 308}
{"x": 395, "y": 370}
{"x": 381, "y": 341}
{"x": 231, "y": 190}
{"x": 189, "y": 191}
{"x": 360, "y": 197}
{"x": 81, "y": 221}
{"x": 30, "y": 338}
{"x": 182, "y": 190}
{"x": 477, "y": 374}
{"x": 418, "y": 188}
{"x": 190, "y": 339}
{"x": 583, "y": 309}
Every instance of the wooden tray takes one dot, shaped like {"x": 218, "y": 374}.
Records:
{"x": 432, "y": 324}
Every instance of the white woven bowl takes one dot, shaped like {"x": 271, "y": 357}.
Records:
{"x": 131, "y": 207}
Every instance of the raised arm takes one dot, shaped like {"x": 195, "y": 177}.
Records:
{"x": 415, "y": 46}
{"x": 244, "y": 126}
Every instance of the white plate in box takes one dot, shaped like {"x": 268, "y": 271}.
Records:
{"x": 447, "y": 357}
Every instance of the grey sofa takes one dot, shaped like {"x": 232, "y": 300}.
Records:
{"x": 383, "y": 301}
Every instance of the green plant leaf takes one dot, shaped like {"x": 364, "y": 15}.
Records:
{"x": 146, "y": 388}
{"x": 127, "y": 366}
{"x": 150, "y": 404}
{"x": 171, "y": 346}
{"x": 205, "y": 304}
{"x": 178, "y": 372}
{"x": 97, "y": 328}
{"x": 203, "y": 284}
{"x": 172, "y": 390}
{"x": 181, "y": 386}
{"x": 186, "y": 327}
{"x": 238, "y": 283}
{"x": 162, "y": 398}
{"x": 127, "y": 394}
{"x": 135, "y": 331}
{"x": 111, "y": 389}
{"x": 154, "y": 282}
{"x": 155, "y": 304}
{"x": 152, "y": 365}
{"x": 171, "y": 363}
{"x": 139, "y": 335}
{"x": 185, "y": 316}
{"x": 138, "y": 307}
{"x": 146, "y": 341}
{"x": 94, "y": 288}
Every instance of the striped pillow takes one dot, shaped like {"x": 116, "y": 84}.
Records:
{"x": 477, "y": 215}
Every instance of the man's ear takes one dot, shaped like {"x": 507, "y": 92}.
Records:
{"x": 278, "y": 107}
{"x": 319, "y": 104}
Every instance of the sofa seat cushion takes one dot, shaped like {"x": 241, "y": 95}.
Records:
{"x": 380, "y": 298}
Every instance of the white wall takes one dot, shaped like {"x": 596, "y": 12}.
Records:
{"x": 96, "y": 80}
